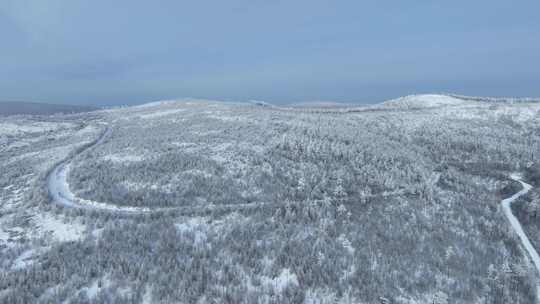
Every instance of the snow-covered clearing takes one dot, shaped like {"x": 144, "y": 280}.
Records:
{"x": 93, "y": 290}
{"x": 196, "y": 225}
{"x": 285, "y": 278}
{"x": 60, "y": 231}
{"x": 147, "y": 296}
{"x": 519, "y": 114}
{"x": 123, "y": 158}
{"x": 8, "y": 128}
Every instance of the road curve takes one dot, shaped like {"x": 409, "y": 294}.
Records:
{"x": 61, "y": 194}
{"x": 516, "y": 226}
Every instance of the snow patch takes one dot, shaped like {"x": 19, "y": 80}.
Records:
{"x": 519, "y": 114}
{"x": 346, "y": 244}
{"x": 61, "y": 231}
{"x": 96, "y": 233}
{"x": 231, "y": 118}
{"x": 155, "y": 104}
{"x": 123, "y": 158}
{"x": 161, "y": 113}
{"x": 3, "y": 236}
{"x": 197, "y": 172}
{"x": 422, "y": 101}
{"x": 94, "y": 288}
{"x": 195, "y": 226}
{"x": 24, "y": 260}
{"x": 147, "y": 296}
{"x": 284, "y": 279}
{"x": 9, "y": 128}
{"x": 326, "y": 296}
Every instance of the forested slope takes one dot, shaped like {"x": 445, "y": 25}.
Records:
{"x": 401, "y": 201}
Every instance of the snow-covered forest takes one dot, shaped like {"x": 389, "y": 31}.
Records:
{"x": 196, "y": 201}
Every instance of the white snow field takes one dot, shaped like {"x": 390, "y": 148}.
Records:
{"x": 198, "y": 201}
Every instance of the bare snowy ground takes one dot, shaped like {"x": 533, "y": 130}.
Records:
{"x": 26, "y": 230}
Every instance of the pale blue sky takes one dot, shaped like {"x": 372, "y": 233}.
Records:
{"x": 117, "y": 52}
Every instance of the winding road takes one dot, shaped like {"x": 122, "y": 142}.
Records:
{"x": 61, "y": 194}
{"x": 507, "y": 209}
{"x": 58, "y": 186}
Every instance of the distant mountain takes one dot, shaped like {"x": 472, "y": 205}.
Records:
{"x": 35, "y": 108}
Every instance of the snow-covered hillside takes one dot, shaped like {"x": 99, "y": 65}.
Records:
{"x": 422, "y": 102}
{"x": 196, "y": 201}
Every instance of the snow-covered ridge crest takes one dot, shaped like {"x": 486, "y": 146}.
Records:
{"x": 414, "y": 101}
{"x": 158, "y": 103}
{"x": 187, "y": 100}
{"x": 422, "y": 101}
{"x": 496, "y": 99}
{"x": 155, "y": 103}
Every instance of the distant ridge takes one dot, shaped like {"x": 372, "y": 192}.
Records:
{"x": 495, "y": 99}
{"x": 322, "y": 104}
{"x": 423, "y": 101}
{"x": 35, "y": 108}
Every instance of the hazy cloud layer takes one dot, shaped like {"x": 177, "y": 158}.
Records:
{"x": 111, "y": 52}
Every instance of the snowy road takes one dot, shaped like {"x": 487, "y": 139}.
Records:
{"x": 61, "y": 194}
{"x": 506, "y": 204}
